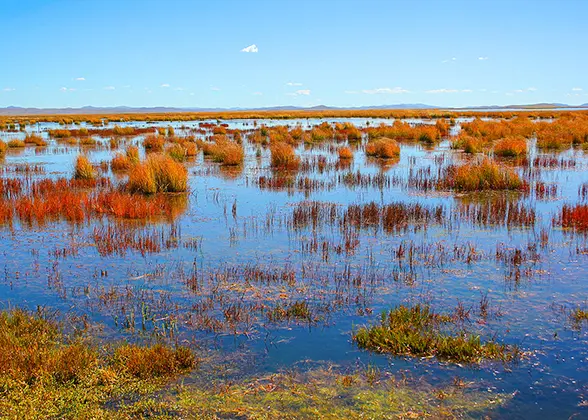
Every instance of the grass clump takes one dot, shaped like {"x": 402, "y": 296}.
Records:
{"x": 177, "y": 152}
{"x": 483, "y": 176}
{"x": 132, "y": 153}
{"x": 3, "y": 148}
{"x": 45, "y": 373}
{"x": 153, "y": 143}
{"x": 35, "y": 139}
{"x": 120, "y": 162}
{"x": 345, "y": 153}
{"x": 417, "y": 331}
{"x": 159, "y": 173}
{"x": 83, "y": 169}
{"x": 512, "y": 146}
{"x": 283, "y": 156}
{"x": 383, "y": 148}
{"x": 227, "y": 152}
{"x": 154, "y": 361}
{"x": 16, "y": 144}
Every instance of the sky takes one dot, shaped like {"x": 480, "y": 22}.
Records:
{"x": 249, "y": 54}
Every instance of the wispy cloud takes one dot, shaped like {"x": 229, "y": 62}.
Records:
{"x": 293, "y": 84}
{"x": 9, "y": 89}
{"x": 300, "y": 92}
{"x": 482, "y": 58}
{"x": 80, "y": 79}
{"x": 164, "y": 85}
{"x": 445, "y": 90}
{"x": 65, "y": 89}
{"x": 257, "y": 93}
{"x": 449, "y": 60}
{"x": 386, "y": 90}
{"x": 250, "y": 49}
{"x": 215, "y": 89}
{"x": 529, "y": 89}
{"x": 109, "y": 88}
{"x": 577, "y": 89}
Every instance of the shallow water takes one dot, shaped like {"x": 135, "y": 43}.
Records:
{"x": 194, "y": 288}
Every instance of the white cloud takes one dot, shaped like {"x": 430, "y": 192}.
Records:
{"x": 482, "y": 58}
{"x": 257, "y": 93}
{"x": 9, "y": 89}
{"x": 80, "y": 79}
{"x": 250, "y": 49}
{"x": 293, "y": 84}
{"x": 519, "y": 91}
{"x": 64, "y": 89}
{"x": 109, "y": 88}
{"x": 532, "y": 89}
{"x": 466, "y": 90}
{"x": 179, "y": 89}
{"x": 447, "y": 61}
{"x": 389, "y": 91}
{"x": 350, "y": 92}
{"x": 164, "y": 85}
{"x": 577, "y": 89}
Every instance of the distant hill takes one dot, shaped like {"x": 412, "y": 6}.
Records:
{"x": 13, "y": 110}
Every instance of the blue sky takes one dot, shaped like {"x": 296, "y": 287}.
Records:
{"x": 64, "y": 53}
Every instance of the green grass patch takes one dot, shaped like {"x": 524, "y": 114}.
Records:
{"x": 418, "y": 331}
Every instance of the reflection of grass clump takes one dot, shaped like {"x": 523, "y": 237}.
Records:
{"x": 417, "y": 332}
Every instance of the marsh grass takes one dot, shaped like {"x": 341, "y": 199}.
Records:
{"x": 383, "y": 148}
{"x": 3, "y": 148}
{"x": 83, "y": 169}
{"x": 45, "y": 373}
{"x": 483, "y": 176}
{"x": 512, "y": 146}
{"x": 159, "y": 173}
{"x": 16, "y": 144}
{"x": 283, "y": 156}
{"x": 419, "y": 332}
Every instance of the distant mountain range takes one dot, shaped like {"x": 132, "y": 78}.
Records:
{"x": 13, "y": 110}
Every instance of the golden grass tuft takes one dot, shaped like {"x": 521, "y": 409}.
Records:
{"x": 283, "y": 156}
{"x": 486, "y": 175}
{"x": 16, "y": 144}
{"x": 383, "y": 148}
{"x": 159, "y": 173}
{"x": 154, "y": 361}
{"x": 227, "y": 152}
{"x": 83, "y": 169}
{"x": 345, "y": 153}
{"x": 512, "y": 146}
{"x": 120, "y": 162}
